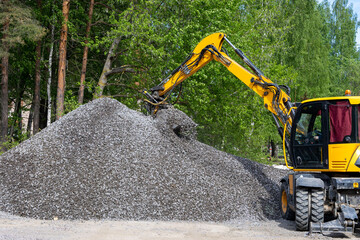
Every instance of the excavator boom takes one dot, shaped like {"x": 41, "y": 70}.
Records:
{"x": 210, "y": 48}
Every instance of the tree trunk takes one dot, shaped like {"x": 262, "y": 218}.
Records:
{"x": 30, "y": 120}
{"x": 43, "y": 113}
{"x": 85, "y": 56}
{"x": 37, "y": 89}
{"x": 275, "y": 149}
{"x": 4, "y": 84}
{"x": 60, "y": 98}
{"x": 107, "y": 67}
{"x": 37, "y": 84}
{"x": 17, "y": 108}
{"x": 48, "y": 122}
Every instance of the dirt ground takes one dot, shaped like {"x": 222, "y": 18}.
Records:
{"x": 18, "y": 228}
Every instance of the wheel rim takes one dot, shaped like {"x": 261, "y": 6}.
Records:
{"x": 283, "y": 201}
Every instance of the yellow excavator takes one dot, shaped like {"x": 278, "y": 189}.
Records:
{"x": 321, "y": 136}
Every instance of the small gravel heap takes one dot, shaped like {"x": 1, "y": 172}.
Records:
{"x": 106, "y": 161}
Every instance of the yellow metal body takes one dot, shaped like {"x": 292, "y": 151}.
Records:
{"x": 216, "y": 40}
{"x": 354, "y": 100}
{"x": 342, "y": 158}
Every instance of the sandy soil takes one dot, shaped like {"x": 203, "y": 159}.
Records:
{"x": 12, "y": 227}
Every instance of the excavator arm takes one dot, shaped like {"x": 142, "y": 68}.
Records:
{"x": 210, "y": 48}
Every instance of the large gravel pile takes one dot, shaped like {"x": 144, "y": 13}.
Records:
{"x": 104, "y": 160}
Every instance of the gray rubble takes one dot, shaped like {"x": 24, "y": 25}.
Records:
{"x": 106, "y": 161}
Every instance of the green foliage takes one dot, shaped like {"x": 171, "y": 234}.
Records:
{"x": 18, "y": 137}
{"x": 309, "y": 54}
{"x": 22, "y": 25}
{"x": 71, "y": 102}
{"x": 307, "y": 45}
{"x": 8, "y": 145}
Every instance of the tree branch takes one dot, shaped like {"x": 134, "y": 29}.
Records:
{"x": 107, "y": 6}
{"x": 119, "y": 95}
{"x": 122, "y": 69}
{"x": 98, "y": 22}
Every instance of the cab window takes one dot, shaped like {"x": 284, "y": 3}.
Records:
{"x": 308, "y": 130}
{"x": 340, "y": 121}
{"x": 308, "y": 140}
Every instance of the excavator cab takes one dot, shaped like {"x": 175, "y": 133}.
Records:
{"x": 325, "y": 135}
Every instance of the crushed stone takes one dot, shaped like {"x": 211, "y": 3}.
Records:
{"x": 106, "y": 161}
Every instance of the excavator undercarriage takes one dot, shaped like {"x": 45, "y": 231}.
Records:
{"x": 321, "y": 202}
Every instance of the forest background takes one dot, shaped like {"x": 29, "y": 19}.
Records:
{"x": 59, "y": 54}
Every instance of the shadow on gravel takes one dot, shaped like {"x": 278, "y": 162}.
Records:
{"x": 286, "y": 224}
{"x": 270, "y": 205}
{"x": 335, "y": 235}
{"x": 290, "y": 225}
{"x": 343, "y": 235}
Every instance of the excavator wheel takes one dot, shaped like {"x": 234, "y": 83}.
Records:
{"x": 303, "y": 205}
{"x": 286, "y": 212}
{"x": 317, "y": 205}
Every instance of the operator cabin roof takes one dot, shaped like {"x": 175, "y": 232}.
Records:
{"x": 352, "y": 99}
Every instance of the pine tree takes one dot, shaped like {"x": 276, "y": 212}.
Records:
{"x": 18, "y": 25}
{"x": 62, "y": 61}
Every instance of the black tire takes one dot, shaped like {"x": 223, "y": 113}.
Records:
{"x": 317, "y": 205}
{"x": 286, "y": 212}
{"x": 302, "y": 213}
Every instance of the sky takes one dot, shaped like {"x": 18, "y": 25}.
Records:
{"x": 356, "y": 9}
